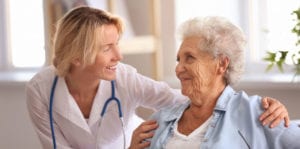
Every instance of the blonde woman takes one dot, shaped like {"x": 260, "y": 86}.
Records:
{"x": 66, "y": 101}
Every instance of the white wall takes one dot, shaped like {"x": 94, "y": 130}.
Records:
{"x": 15, "y": 126}
{"x": 288, "y": 93}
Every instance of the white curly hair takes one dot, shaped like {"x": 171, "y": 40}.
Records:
{"x": 221, "y": 38}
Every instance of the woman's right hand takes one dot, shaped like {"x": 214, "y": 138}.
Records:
{"x": 141, "y": 133}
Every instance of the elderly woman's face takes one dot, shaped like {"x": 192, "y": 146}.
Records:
{"x": 196, "y": 69}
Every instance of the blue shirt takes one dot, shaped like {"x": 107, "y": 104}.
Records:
{"x": 235, "y": 125}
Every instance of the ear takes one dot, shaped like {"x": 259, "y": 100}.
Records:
{"x": 223, "y": 64}
{"x": 76, "y": 62}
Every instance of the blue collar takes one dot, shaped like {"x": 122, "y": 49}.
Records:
{"x": 177, "y": 111}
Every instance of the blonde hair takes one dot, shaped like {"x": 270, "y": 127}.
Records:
{"x": 221, "y": 38}
{"x": 76, "y": 36}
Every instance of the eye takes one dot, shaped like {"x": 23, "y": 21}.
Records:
{"x": 189, "y": 57}
{"x": 106, "y": 48}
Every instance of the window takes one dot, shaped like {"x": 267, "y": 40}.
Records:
{"x": 266, "y": 23}
{"x": 23, "y": 39}
{"x": 270, "y": 25}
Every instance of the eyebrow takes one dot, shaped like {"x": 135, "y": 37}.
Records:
{"x": 188, "y": 53}
{"x": 185, "y": 54}
{"x": 108, "y": 44}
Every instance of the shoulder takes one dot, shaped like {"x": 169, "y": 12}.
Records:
{"x": 43, "y": 77}
{"x": 284, "y": 137}
{"x": 125, "y": 73}
{"x": 230, "y": 100}
{"x": 128, "y": 76}
{"x": 125, "y": 69}
{"x": 38, "y": 88}
{"x": 166, "y": 119}
{"x": 247, "y": 105}
{"x": 242, "y": 98}
{"x": 241, "y": 108}
{"x": 171, "y": 112}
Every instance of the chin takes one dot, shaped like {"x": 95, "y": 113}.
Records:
{"x": 186, "y": 91}
{"x": 109, "y": 78}
{"x": 113, "y": 78}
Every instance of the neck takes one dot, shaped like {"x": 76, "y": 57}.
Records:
{"x": 207, "y": 97}
{"x": 83, "y": 89}
{"x": 81, "y": 85}
{"x": 192, "y": 119}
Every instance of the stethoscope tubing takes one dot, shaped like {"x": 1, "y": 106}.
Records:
{"x": 50, "y": 111}
{"x": 112, "y": 98}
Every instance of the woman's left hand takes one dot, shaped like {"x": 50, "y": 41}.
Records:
{"x": 275, "y": 111}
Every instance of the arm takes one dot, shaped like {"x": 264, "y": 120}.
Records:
{"x": 148, "y": 92}
{"x": 274, "y": 112}
{"x": 282, "y": 137}
{"x": 38, "y": 112}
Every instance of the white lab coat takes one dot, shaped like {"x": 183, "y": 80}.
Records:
{"x": 72, "y": 130}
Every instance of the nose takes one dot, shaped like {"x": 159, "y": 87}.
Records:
{"x": 179, "y": 68}
{"x": 117, "y": 53}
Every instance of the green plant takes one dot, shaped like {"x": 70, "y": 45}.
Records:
{"x": 278, "y": 58}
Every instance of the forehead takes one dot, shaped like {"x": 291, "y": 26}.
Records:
{"x": 190, "y": 44}
{"x": 191, "y": 41}
{"x": 107, "y": 33}
{"x": 193, "y": 46}
{"x": 107, "y": 29}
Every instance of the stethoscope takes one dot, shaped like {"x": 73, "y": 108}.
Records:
{"x": 112, "y": 98}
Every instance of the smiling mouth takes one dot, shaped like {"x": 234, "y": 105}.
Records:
{"x": 112, "y": 67}
{"x": 182, "y": 80}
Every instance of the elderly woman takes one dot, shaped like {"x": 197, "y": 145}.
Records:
{"x": 65, "y": 99}
{"x": 210, "y": 61}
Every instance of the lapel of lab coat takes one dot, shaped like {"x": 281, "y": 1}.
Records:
{"x": 65, "y": 105}
{"x": 103, "y": 93}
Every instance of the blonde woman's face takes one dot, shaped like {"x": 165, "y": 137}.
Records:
{"x": 196, "y": 69}
{"x": 108, "y": 55}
